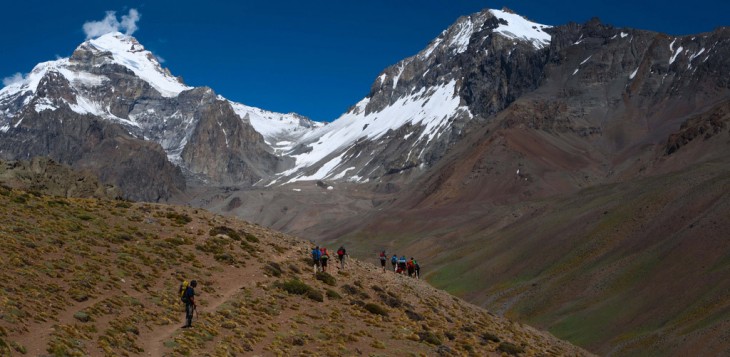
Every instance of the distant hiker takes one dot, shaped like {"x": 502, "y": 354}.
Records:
{"x": 341, "y": 253}
{"x": 323, "y": 259}
{"x": 394, "y": 261}
{"x": 316, "y": 255}
{"x": 383, "y": 258}
{"x": 188, "y": 297}
{"x": 402, "y": 264}
{"x": 418, "y": 269}
{"x": 411, "y": 267}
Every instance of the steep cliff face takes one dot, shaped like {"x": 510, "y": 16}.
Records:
{"x": 139, "y": 168}
{"x": 225, "y": 149}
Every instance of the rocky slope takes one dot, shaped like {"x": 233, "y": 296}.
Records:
{"x": 44, "y": 176}
{"x": 96, "y": 277}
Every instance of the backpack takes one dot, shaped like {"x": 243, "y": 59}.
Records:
{"x": 393, "y": 259}
{"x": 183, "y": 288}
{"x": 325, "y": 256}
{"x": 340, "y": 252}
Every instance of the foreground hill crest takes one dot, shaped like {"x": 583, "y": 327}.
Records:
{"x": 95, "y": 277}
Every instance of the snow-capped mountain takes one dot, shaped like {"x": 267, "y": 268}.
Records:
{"x": 418, "y": 108}
{"x": 113, "y": 78}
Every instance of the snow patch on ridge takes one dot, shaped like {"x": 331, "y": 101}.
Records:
{"x": 433, "y": 108}
{"x": 520, "y": 28}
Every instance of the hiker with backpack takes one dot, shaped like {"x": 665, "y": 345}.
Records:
{"x": 383, "y": 258}
{"x": 411, "y": 267}
{"x": 324, "y": 257}
{"x": 341, "y": 253}
{"x": 316, "y": 255}
{"x": 402, "y": 264}
{"x": 418, "y": 268}
{"x": 394, "y": 262}
{"x": 188, "y": 297}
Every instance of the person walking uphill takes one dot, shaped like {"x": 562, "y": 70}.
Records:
{"x": 316, "y": 255}
{"x": 323, "y": 259}
{"x": 382, "y": 260}
{"x": 394, "y": 261}
{"x": 188, "y": 297}
{"x": 341, "y": 253}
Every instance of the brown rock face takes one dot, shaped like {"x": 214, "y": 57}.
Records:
{"x": 226, "y": 150}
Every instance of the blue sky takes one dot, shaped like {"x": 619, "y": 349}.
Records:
{"x": 316, "y": 57}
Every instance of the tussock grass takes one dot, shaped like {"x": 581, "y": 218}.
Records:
{"x": 118, "y": 271}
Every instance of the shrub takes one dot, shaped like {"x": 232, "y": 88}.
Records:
{"x": 430, "y": 337}
{"x": 331, "y": 294}
{"x": 510, "y": 348}
{"x": 273, "y": 269}
{"x": 250, "y": 237}
{"x": 376, "y": 309}
{"x": 180, "y": 219}
{"x": 488, "y": 336}
{"x": 82, "y": 316}
{"x": 297, "y": 287}
{"x": 414, "y": 315}
{"x": 123, "y": 204}
{"x": 225, "y": 258}
{"x": 315, "y": 295}
{"x": 326, "y": 278}
{"x": 226, "y": 231}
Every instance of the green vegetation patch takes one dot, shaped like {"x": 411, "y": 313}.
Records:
{"x": 510, "y": 348}
{"x": 375, "y": 309}
{"x": 225, "y": 231}
{"x": 179, "y": 218}
{"x": 326, "y": 278}
{"x": 297, "y": 287}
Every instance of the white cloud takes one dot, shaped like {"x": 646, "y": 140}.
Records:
{"x": 111, "y": 24}
{"x": 15, "y": 78}
{"x": 129, "y": 22}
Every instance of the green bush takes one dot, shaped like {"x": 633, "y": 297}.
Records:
{"x": 315, "y": 295}
{"x": 225, "y": 258}
{"x": 294, "y": 286}
{"x": 326, "y": 278}
{"x": 430, "y": 337}
{"x": 331, "y": 294}
{"x": 226, "y": 231}
{"x": 488, "y": 336}
{"x": 180, "y": 219}
{"x": 297, "y": 287}
{"x": 375, "y": 309}
{"x": 510, "y": 348}
{"x": 250, "y": 237}
{"x": 123, "y": 204}
{"x": 273, "y": 269}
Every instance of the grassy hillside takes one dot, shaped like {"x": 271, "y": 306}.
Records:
{"x": 97, "y": 277}
{"x": 637, "y": 268}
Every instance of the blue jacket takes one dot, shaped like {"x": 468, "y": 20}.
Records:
{"x": 316, "y": 254}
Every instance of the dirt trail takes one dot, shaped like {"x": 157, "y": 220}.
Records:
{"x": 232, "y": 281}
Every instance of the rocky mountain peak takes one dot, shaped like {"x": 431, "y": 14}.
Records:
{"x": 120, "y": 49}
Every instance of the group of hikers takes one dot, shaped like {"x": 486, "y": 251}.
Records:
{"x": 320, "y": 257}
{"x": 401, "y": 265}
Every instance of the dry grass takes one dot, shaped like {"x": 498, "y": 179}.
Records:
{"x": 90, "y": 277}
